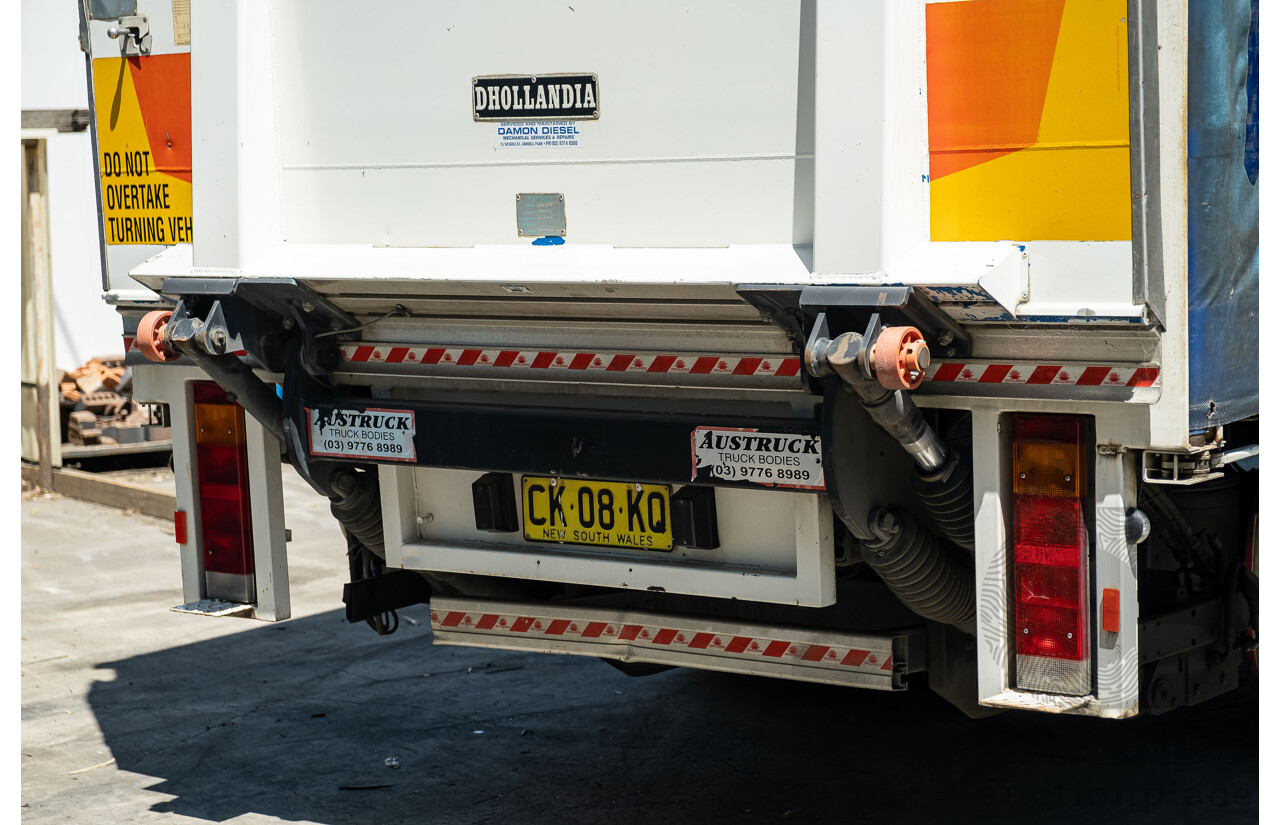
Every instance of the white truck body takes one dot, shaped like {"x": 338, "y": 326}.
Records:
{"x": 735, "y": 146}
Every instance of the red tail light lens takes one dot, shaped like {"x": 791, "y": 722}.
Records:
{"x": 1051, "y": 550}
{"x": 222, "y": 471}
{"x": 1042, "y": 586}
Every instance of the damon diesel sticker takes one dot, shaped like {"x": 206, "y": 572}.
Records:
{"x": 765, "y": 458}
{"x": 386, "y": 435}
{"x": 566, "y": 133}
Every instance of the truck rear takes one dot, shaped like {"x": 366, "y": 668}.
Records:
{"x": 864, "y": 343}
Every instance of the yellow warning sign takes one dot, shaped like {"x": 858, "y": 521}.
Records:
{"x": 143, "y": 107}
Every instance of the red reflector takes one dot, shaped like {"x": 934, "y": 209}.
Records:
{"x": 1111, "y": 610}
{"x": 1048, "y": 531}
{"x": 180, "y": 526}
{"x": 219, "y": 463}
{"x": 1048, "y": 586}
{"x": 1053, "y": 429}
{"x": 208, "y": 392}
{"x": 1054, "y": 632}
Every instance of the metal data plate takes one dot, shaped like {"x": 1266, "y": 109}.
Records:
{"x": 539, "y": 215}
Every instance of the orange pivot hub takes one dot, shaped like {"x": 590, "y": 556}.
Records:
{"x": 150, "y": 339}
{"x": 900, "y": 357}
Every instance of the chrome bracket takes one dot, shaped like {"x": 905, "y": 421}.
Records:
{"x": 134, "y": 34}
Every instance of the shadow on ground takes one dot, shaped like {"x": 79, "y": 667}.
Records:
{"x": 296, "y": 720}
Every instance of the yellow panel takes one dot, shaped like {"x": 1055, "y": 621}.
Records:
{"x": 1036, "y": 195}
{"x": 1073, "y": 183}
{"x": 1087, "y": 101}
{"x": 140, "y": 204}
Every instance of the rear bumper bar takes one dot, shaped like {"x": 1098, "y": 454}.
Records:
{"x": 880, "y": 661}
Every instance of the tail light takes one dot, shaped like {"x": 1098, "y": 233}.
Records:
{"x": 1051, "y": 554}
{"x": 222, "y": 473}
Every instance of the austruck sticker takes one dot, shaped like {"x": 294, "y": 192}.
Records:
{"x": 769, "y": 459}
{"x": 386, "y": 435}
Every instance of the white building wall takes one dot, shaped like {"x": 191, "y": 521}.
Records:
{"x": 53, "y": 77}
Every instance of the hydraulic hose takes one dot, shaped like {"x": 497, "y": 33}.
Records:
{"x": 948, "y": 496}
{"x": 898, "y": 415}
{"x": 920, "y": 571}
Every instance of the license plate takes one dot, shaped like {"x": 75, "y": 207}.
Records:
{"x": 597, "y": 513}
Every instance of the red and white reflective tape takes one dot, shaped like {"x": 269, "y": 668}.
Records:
{"x": 657, "y": 636}
{"x": 573, "y": 360}
{"x": 1077, "y": 375}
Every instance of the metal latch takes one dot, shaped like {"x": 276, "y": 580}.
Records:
{"x": 134, "y": 33}
{"x": 1193, "y": 466}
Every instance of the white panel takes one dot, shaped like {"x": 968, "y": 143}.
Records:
{"x": 991, "y": 561}
{"x": 508, "y": 264}
{"x": 849, "y": 136}
{"x": 1169, "y": 417}
{"x": 643, "y": 203}
{"x": 266, "y": 492}
{"x": 1115, "y": 566}
{"x": 53, "y": 70}
{"x": 695, "y": 144}
{"x": 775, "y": 546}
{"x": 757, "y": 527}
{"x": 236, "y": 168}
{"x": 169, "y": 384}
{"x": 1080, "y": 275}
{"x": 906, "y": 134}
{"x": 677, "y": 78}
{"x": 83, "y": 325}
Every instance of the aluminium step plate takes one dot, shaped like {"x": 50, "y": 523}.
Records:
{"x": 214, "y": 607}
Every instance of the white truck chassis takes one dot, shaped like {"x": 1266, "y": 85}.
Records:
{"x": 447, "y": 321}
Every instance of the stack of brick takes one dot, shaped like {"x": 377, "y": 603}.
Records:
{"x": 98, "y": 407}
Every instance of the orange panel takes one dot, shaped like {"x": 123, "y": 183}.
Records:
{"x": 988, "y": 64}
{"x": 163, "y": 86}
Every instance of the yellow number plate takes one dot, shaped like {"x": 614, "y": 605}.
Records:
{"x": 598, "y": 513}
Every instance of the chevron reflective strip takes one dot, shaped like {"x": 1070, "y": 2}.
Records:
{"x": 573, "y": 360}
{"x": 660, "y": 636}
{"x": 1078, "y": 375}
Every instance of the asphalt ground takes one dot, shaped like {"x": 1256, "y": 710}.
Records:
{"x": 131, "y": 713}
